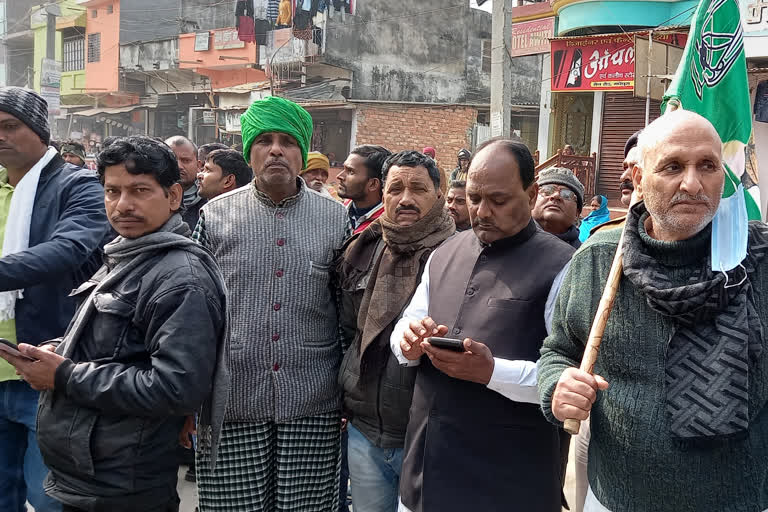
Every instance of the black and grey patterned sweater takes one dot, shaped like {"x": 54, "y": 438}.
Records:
{"x": 276, "y": 259}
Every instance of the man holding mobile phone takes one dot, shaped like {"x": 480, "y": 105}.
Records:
{"x": 144, "y": 351}
{"x": 489, "y": 287}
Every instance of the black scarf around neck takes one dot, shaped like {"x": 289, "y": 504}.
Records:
{"x": 717, "y": 331}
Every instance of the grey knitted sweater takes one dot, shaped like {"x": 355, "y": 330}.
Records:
{"x": 285, "y": 347}
{"x": 634, "y": 462}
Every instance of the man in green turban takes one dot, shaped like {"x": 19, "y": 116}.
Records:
{"x": 274, "y": 241}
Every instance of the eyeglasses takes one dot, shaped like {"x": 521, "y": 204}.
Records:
{"x": 565, "y": 193}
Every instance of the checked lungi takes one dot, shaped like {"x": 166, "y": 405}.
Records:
{"x": 280, "y": 467}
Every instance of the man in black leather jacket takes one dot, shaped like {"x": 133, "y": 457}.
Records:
{"x": 144, "y": 350}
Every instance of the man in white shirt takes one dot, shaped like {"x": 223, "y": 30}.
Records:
{"x": 476, "y": 410}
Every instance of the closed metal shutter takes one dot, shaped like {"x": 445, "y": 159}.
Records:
{"x": 623, "y": 115}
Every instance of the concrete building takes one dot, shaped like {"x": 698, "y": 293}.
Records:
{"x": 394, "y": 72}
{"x": 16, "y": 44}
{"x": 397, "y": 73}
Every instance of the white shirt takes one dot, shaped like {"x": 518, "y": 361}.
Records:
{"x": 515, "y": 380}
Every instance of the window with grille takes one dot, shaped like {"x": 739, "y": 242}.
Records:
{"x": 95, "y": 13}
{"x": 74, "y": 53}
{"x": 486, "y": 51}
{"x": 94, "y": 47}
{"x": 110, "y": 9}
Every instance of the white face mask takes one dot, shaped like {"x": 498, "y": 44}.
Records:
{"x": 730, "y": 232}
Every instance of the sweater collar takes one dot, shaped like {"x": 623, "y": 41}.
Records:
{"x": 678, "y": 253}
{"x": 285, "y": 203}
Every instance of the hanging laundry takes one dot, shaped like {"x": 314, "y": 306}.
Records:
{"x": 273, "y": 10}
{"x": 315, "y": 8}
{"x": 261, "y": 30}
{"x": 259, "y": 9}
{"x": 303, "y": 18}
{"x": 243, "y": 8}
{"x": 285, "y": 16}
{"x": 317, "y": 36}
{"x": 342, "y": 6}
{"x": 246, "y": 30}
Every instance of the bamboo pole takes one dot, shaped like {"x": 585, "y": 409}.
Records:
{"x": 598, "y": 324}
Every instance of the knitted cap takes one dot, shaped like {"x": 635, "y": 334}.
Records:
{"x": 316, "y": 160}
{"x": 564, "y": 177}
{"x": 28, "y": 107}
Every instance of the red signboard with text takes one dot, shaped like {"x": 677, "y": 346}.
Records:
{"x": 599, "y": 63}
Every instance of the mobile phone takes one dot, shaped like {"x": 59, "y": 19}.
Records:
{"x": 447, "y": 343}
{"x": 11, "y": 348}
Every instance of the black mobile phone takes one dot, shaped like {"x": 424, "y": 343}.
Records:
{"x": 11, "y": 348}
{"x": 447, "y": 343}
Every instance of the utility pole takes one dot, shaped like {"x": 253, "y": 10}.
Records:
{"x": 501, "y": 69}
{"x": 50, "y": 35}
{"x": 49, "y": 90}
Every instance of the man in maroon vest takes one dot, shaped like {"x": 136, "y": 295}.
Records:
{"x": 477, "y": 439}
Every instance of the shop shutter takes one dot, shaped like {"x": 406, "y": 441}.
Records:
{"x": 623, "y": 115}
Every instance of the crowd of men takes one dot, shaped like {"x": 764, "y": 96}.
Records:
{"x": 419, "y": 338}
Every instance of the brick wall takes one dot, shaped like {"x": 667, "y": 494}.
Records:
{"x": 399, "y": 127}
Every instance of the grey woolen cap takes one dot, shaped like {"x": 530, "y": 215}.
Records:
{"x": 564, "y": 177}
{"x": 28, "y": 107}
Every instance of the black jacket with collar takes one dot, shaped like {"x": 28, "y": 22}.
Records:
{"x": 109, "y": 430}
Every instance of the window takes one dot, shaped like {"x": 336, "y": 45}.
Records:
{"x": 110, "y": 9}
{"x": 94, "y": 47}
{"x": 95, "y": 13}
{"x": 486, "y": 55}
{"x": 74, "y": 53}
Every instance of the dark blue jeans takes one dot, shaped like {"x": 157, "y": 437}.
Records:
{"x": 22, "y": 470}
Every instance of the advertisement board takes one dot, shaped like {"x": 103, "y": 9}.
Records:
{"x": 599, "y": 63}
{"x": 531, "y": 37}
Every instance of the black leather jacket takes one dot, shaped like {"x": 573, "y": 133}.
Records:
{"x": 110, "y": 428}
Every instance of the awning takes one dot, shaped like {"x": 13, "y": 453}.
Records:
{"x": 114, "y": 110}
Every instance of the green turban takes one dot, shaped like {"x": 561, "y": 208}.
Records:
{"x": 274, "y": 114}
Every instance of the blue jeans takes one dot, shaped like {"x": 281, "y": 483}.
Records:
{"x": 375, "y": 474}
{"x": 22, "y": 470}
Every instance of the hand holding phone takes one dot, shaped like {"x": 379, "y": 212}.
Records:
{"x": 10, "y": 347}
{"x": 447, "y": 343}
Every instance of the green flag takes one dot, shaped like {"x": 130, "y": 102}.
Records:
{"x": 711, "y": 80}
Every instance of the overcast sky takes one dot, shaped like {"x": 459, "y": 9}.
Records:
{"x": 486, "y": 6}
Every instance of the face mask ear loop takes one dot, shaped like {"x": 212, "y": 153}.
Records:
{"x": 726, "y": 285}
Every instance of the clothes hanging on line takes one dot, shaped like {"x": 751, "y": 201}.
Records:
{"x": 244, "y": 8}
{"x": 273, "y": 10}
{"x": 285, "y": 14}
{"x": 261, "y": 30}
{"x": 246, "y": 29}
{"x": 259, "y": 9}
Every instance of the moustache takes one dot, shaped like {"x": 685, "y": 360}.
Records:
{"x": 626, "y": 185}
{"x": 276, "y": 163}
{"x": 407, "y": 208}
{"x": 124, "y": 218}
{"x": 482, "y": 225}
{"x": 681, "y": 197}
